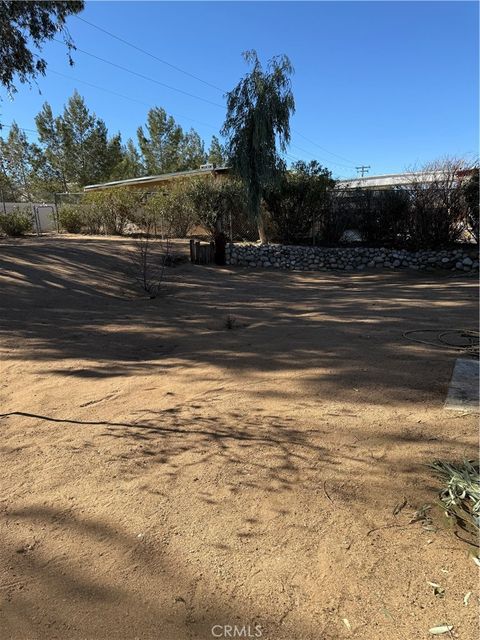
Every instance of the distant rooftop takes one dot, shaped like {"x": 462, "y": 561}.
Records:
{"x": 396, "y": 179}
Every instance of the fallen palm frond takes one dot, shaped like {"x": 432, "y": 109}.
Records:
{"x": 461, "y": 493}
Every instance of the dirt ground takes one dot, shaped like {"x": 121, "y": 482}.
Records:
{"x": 163, "y": 476}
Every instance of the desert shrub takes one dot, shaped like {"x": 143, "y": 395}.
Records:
{"x": 213, "y": 201}
{"x": 433, "y": 219}
{"x": 438, "y": 208}
{"x": 426, "y": 213}
{"x": 470, "y": 190}
{"x": 116, "y": 207}
{"x": 80, "y": 218}
{"x": 70, "y": 218}
{"x": 215, "y": 204}
{"x": 384, "y": 218}
{"x": 339, "y": 216}
{"x": 91, "y": 219}
{"x": 170, "y": 211}
{"x": 16, "y": 223}
{"x": 299, "y": 200}
{"x": 149, "y": 259}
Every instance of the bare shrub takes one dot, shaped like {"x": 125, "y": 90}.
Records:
{"x": 470, "y": 188}
{"x": 438, "y": 206}
{"x": 150, "y": 258}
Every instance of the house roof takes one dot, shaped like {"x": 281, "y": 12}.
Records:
{"x": 397, "y": 179}
{"x": 152, "y": 180}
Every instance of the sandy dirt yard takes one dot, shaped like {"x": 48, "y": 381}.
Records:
{"x": 164, "y": 477}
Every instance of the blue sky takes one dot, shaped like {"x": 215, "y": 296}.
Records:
{"x": 387, "y": 84}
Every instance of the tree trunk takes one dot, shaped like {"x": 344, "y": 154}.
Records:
{"x": 261, "y": 228}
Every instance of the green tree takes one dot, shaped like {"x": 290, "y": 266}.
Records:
{"x": 160, "y": 145}
{"x": 258, "y": 119}
{"x": 85, "y": 140}
{"x": 23, "y": 24}
{"x": 114, "y": 156}
{"x": 51, "y": 156}
{"x": 165, "y": 147}
{"x": 7, "y": 188}
{"x": 192, "y": 151}
{"x": 75, "y": 148}
{"x": 130, "y": 164}
{"x": 44, "y": 180}
{"x": 17, "y": 155}
{"x": 216, "y": 153}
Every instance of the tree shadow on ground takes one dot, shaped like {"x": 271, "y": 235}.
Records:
{"x": 336, "y": 332}
{"x": 337, "y": 339}
{"x": 268, "y": 454}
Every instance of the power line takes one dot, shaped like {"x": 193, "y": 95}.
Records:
{"x": 11, "y": 126}
{"x": 144, "y": 77}
{"x": 134, "y": 46}
{"x": 314, "y": 156}
{"x": 323, "y": 148}
{"x": 147, "y": 53}
{"x": 125, "y": 97}
{"x": 292, "y": 157}
{"x": 140, "y": 75}
{"x": 121, "y": 95}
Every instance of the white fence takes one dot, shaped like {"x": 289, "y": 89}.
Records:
{"x": 43, "y": 214}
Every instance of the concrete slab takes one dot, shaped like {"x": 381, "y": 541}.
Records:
{"x": 463, "y": 392}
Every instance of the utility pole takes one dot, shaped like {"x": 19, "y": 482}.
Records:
{"x": 362, "y": 169}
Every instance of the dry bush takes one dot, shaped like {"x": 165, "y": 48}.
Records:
{"x": 460, "y": 494}
{"x": 116, "y": 207}
{"x": 171, "y": 211}
{"x": 16, "y": 223}
{"x": 299, "y": 201}
{"x": 439, "y": 210}
{"x": 149, "y": 259}
{"x": 384, "y": 218}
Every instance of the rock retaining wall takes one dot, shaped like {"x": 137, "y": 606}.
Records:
{"x": 302, "y": 258}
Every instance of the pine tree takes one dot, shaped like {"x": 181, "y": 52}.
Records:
{"x": 165, "y": 147}
{"x": 51, "y": 155}
{"x": 17, "y": 155}
{"x": 130, "y": 165}
{"x": 160, "y": 146}
{"x": 192, "y": 152}
{"x": 85, "y": 140}
{"x": 216, "y": 153}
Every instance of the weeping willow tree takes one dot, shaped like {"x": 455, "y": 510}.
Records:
{"x": 257, "y": 126}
